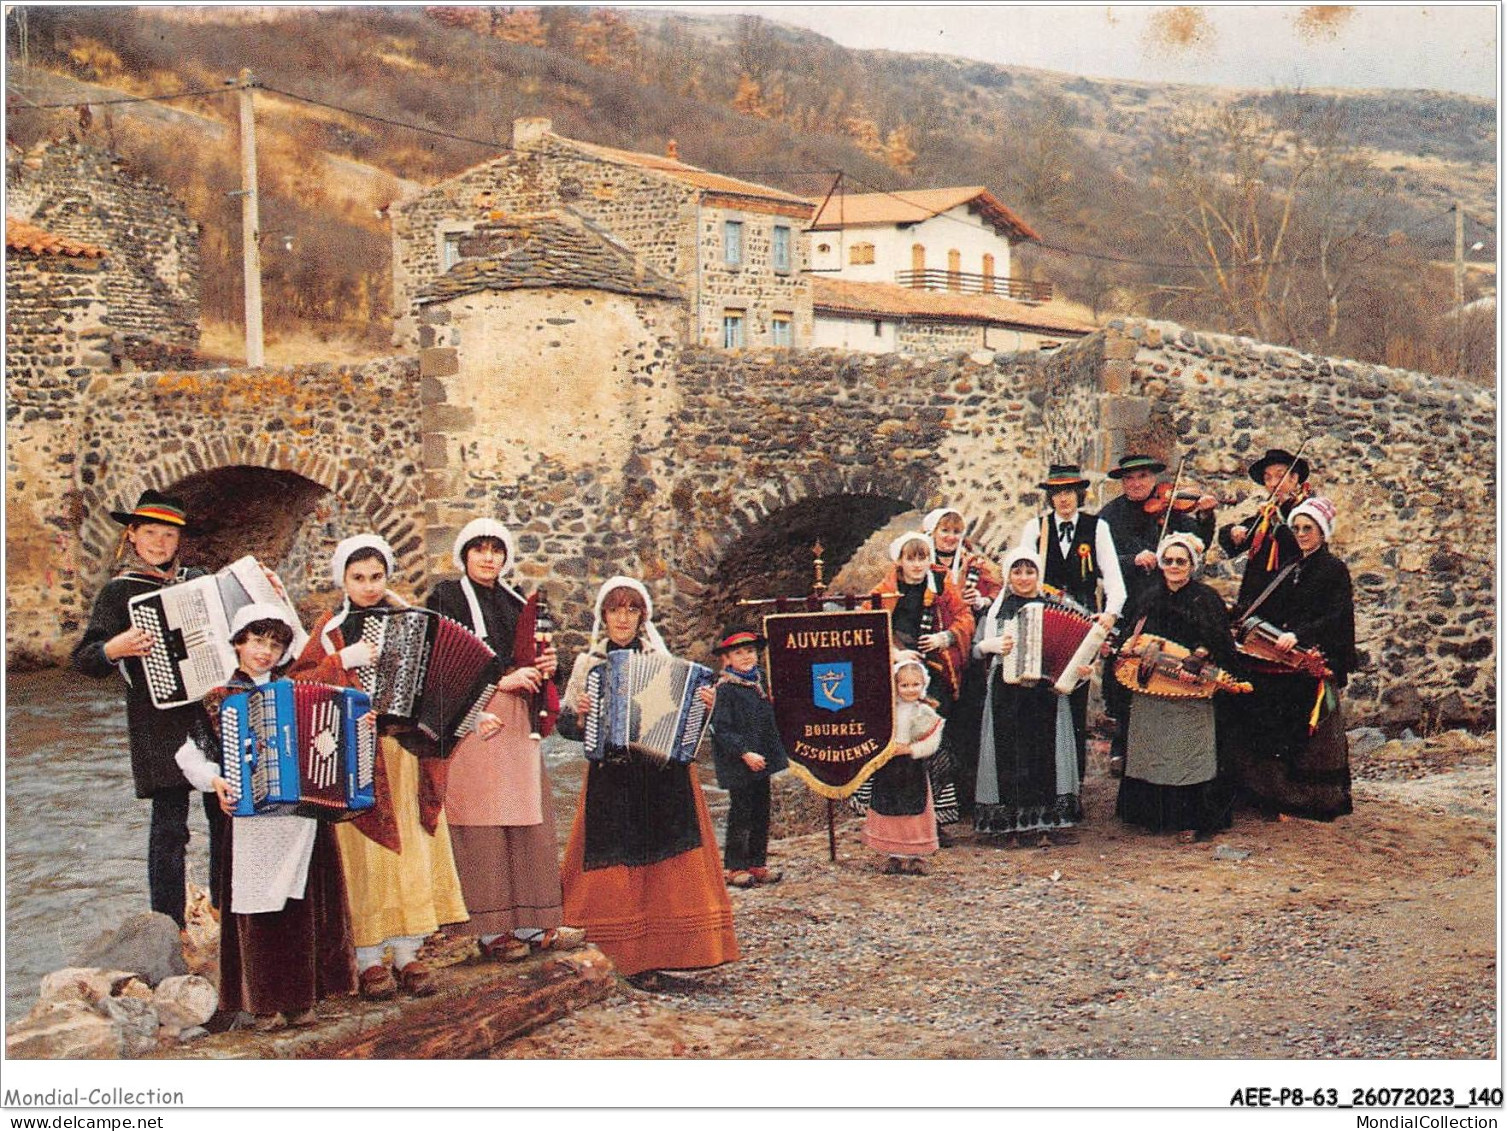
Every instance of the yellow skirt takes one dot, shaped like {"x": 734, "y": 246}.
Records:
{"x": 400, "y": 894}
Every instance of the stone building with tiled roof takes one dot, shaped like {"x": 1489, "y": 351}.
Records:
{"x": 736, "y": 250}
{"x": 55, "y": 305}
{"x": 889, "y": 318}
{"x": 150, "y": 247}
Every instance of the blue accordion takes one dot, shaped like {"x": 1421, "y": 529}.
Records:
{"x": 299, "y": 748}
{"x": 645, "y": 704}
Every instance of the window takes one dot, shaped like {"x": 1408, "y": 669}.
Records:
{"x": 878, "y": 328}
{"x": 861, "y": 253}
{"x": 449, "y": 250}
{"x": 824, "y": 248}
{"x": 732, "y": 329}
{"x": 780, "y": 333}
{"x": 732, "y": 243}
{"x": 780, "y": 250}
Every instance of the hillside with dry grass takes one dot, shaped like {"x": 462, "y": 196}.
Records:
{"x": 360, "y": 105}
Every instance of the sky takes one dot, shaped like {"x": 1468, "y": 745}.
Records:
{"x": 1448, "y": 47}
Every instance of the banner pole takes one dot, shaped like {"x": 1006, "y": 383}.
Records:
{"x": 831, "y": 830}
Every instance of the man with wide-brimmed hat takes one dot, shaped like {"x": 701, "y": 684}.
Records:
{"x": 1264, "y": 537}
{"x": 1136, "y": 529}
{"x": 147, "y": 559}
{"x": 1078, "y": 552}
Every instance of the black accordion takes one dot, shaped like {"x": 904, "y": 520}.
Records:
{"x": 645, "y": 704}
{"x": 298, "y": 748}
{"x": 429, "y": 670}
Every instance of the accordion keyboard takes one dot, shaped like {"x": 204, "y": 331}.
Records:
{"x": 163, "y": 679}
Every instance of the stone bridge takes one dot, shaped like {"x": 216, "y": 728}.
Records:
{"x": 711, "y": 474}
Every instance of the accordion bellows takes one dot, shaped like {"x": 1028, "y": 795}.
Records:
{"x": 298, "y": 748}
{"x": 1051, "y": 644}
{"x": 645, "y": 704}
{"x": 429, "y": 669}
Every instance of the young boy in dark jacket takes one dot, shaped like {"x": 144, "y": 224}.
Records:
{"x": 746, "y": 751}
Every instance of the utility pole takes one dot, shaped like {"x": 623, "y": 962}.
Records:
{"x": 250, "y": 222}
{"x": 1459, "y": 289}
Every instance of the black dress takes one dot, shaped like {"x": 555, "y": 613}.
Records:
{"x": 1023, "y": 785}
{"x": 1288, "y": 761}
{"x": 1176, "y": 776}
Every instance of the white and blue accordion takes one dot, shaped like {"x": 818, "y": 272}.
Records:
{"x": 645, "y": 705}
{"x": 299, "y": 748}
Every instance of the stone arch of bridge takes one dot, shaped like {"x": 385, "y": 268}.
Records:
{"x": 246, "y": 497}
{"x": 760, "y": 545}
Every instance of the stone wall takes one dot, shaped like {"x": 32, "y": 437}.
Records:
{"x": 152, "y": 274}
{"x": 754, "y": 287}
{"x": 1409, "y": 460}
{"x": 537, "y": 404}
{"x": 82, "y": 446}
{"x": 54, "y": 316}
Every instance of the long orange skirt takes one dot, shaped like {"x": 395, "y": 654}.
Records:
{"x": 671, "y": 915}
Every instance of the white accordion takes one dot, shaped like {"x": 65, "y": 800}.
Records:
{"x": 191, "y": 622}
{"x": 1052, "y": 643}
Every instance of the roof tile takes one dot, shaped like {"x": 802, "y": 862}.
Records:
{"x": 844, "y": 296}
{"x": 23, "y": 236}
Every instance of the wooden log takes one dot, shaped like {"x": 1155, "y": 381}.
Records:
{"x": 469, "y": 1020}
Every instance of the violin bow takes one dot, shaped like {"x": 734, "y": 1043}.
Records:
{"x": 1167, "y": 515}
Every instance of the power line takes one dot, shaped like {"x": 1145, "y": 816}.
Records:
{"x": 109, "y": 101}
{"x": 385, "y": 121}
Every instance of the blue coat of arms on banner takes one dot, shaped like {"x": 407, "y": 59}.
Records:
{"x": 832, "y": 685}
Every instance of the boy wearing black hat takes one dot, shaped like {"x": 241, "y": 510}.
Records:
{"x": 746, "y": 751}
{"x": 1078, "y": 553}
{"x": 147, "y": 560}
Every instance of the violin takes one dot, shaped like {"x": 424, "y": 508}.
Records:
{"x": 1182, "y": 501}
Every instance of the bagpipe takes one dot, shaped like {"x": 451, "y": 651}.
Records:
{"x": 645, "y": 704}
{"x": 298, "y": 748}
{"x": 1164, "y": 669}
{"x": 535, "y": 633}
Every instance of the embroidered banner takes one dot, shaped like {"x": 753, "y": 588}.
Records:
{"x": 833, "y": 699}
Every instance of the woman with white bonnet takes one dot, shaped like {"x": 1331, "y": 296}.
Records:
{"x": 399, "y": 869}
{"x": 1294, "y": 756}
{"x": 1028, "y": 782}
{"x": 498, "y": 801}
{"x": 1175, "y": 780}
{"x": 642, "y": 874}
{"x": 285, "y": 932}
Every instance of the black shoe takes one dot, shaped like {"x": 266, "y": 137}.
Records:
{"x": 944, "y": 838}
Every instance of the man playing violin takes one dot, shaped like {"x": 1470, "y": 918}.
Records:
{"x": 1265, "y": 536}
{"x": 1135, "y": 521}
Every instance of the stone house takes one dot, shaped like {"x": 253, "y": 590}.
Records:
{"x": 549, "y": 320}
{"x": 54, "y": 304}
{"x": 927, "y": 270}
{"x": 150, "y": 280}
{"x": 736, "y": 250}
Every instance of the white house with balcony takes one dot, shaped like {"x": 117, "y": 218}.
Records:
{"x": 927, "y": 270}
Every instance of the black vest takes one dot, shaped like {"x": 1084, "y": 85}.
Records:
{"x": 1078, "y": 574}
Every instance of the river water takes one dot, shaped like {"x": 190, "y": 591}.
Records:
{"x": 75, "y": 834}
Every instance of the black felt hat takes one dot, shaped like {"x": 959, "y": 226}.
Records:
{"x": 736, "y": 637}
{"x": 1136, "y": 463}
{"x": 1063, "y": 475}
{"x": 154, "y": 506}
{"x": 1285, "y": 459}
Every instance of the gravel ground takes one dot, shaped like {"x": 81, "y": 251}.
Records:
{"x": 1370, "y": 937}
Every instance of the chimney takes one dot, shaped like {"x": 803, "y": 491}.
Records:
{"x": 529, "y": 131}
{"x": 672, "y": 151}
